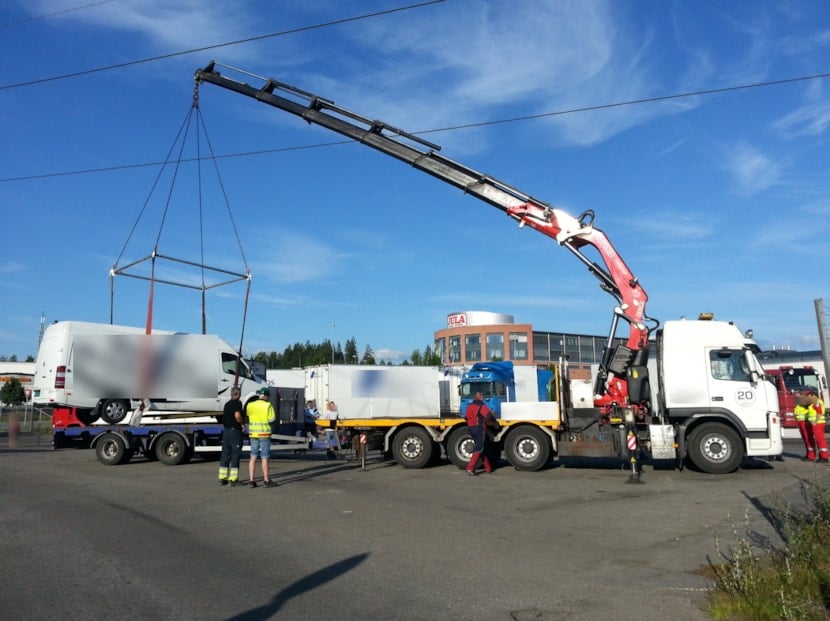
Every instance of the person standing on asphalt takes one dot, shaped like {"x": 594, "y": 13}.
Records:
{"x": 260, "y": 416}
{"x": 479, "y": 416}
{"x": 330, "y": 417}
{"x": 804, "y": 428}
{"x": 816, "y": 420}
{"x": 232, "y": 426}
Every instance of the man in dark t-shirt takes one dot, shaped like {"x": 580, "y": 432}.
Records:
{"x": 232, "y": 423}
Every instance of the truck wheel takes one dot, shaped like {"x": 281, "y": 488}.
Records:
{"x": 413, "y": 447}
{"x": 111, "y": 450}
{"x": 715, "y": 448}
{"x": 114, "y": 411}
{"x": 172, "y": 450}
{"x": 460, "y": 447}
{"x": 528, "y": 448}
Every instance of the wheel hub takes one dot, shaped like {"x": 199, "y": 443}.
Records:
{"x": 715, "y": 449}
{"x": 527, "y": 448}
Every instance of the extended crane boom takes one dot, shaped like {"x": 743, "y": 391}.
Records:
{"x": 573, "y": 233}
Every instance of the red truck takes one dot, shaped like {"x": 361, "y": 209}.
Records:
{"x": 790, "y": 380}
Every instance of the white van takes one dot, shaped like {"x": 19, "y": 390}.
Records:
{"x": 105, "y": 371}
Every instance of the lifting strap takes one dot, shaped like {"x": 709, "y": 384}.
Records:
{"x": 193, "y": 118}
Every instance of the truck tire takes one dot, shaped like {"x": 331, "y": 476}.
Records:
{"x": 528, "y": 448}
{"x": 114, "y": 411}
{"x": 715, "y": 448}
{"x": 460, "y": 447}
{"x": 171, "y": 449}
{"x": 111, "y": 450}
{"x": 413, "y": 447}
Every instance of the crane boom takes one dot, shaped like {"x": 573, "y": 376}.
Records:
{"x": 572, "y": 233}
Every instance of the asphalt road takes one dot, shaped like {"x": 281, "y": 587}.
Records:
{"x": 147, "y": 541}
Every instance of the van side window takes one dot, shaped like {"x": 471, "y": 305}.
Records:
{"x": 229, "y": 363}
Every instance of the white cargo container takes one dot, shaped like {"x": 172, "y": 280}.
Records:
{"x": 377, "y": 391}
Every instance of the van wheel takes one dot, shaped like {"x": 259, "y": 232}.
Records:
{"x": 715, "y": 448}
{"x": 413, "y": 447}
{"x": 528, "y": 448}
{"x": 114, "y": 411}
{"x": 111, "y": 450}
{"x": 460, "y": 447}
{"x": 172, "y": 450}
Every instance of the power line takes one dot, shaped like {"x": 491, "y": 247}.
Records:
{"x": 282, "y": 33}
{"x": 47, "y": 15}
{"x": 631, "y": 102}
{"x": 449, "y": 128}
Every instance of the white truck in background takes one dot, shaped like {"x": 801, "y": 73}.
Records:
{"x": 105, "y": 371}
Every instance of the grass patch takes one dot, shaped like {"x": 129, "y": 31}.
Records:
{"x": 757, "y": 581}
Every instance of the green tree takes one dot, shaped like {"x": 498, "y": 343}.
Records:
{"x": 12, "y": 392}
{"x": 350, "y": 351}
{"x": 368, "y": 356}
{"x": 30, "y": 358}
{"x": 416, "y": 358}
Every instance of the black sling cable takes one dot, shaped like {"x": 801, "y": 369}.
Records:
{"x": 115, "y": 267}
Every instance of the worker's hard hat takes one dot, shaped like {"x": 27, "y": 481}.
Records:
{"x": 264, "y": 391}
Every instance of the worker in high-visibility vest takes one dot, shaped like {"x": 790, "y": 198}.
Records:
{"x": 260, "y": 416}
{"x": 816, "y": 420}
{"x": 804, "y": 428}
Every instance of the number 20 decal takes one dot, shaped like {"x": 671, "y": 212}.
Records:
{"x": 745, "y": 396}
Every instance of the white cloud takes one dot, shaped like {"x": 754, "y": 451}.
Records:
{"x": 809, "y": 120}
{"x": 10, "y": 267}
{"x": 292, "y": 257}
{"x": 751, "y": 169}
{"x": 536, "y": 57}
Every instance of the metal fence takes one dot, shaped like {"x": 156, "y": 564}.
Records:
{"x": 31, "y": 420}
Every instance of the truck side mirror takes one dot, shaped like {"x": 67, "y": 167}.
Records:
{"x": 750, "y": 362}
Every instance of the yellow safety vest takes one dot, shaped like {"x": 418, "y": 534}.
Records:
{"x": 260, "y": 416}
{"x": 815, "y": 413}
{"x": 800, "y": 412}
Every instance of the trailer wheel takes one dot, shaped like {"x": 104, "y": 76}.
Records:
{"x": 114, "y": 411}
{"x": 715, "y": 448}
{"x": 413, "y": 447}
{"x": 172, "y": 450}
{"x": 111, "y": 450}
{"x": 460, "y": 447}
{"x": 528, "y": 448}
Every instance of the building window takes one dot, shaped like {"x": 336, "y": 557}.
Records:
{"x": 455, "y": 349}
{"x": 472, "y": 347}
{"x": 495, "y": 346}
{"x": 518, "y": 345}
{"x": 586, "y": 349}
{"x": 440, "y": 350}
{"x": 541, "y": 347}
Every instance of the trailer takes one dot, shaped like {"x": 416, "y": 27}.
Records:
{"x": 174, "y": 439}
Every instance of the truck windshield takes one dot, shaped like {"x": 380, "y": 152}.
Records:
{"x": 797, "y": 380}
{"x": 488, "y": 389}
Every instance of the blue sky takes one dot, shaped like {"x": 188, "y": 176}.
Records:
{"x": 717, "y": 202}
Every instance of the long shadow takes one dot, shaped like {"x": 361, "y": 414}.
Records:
{"x": 329, "y": 467}
{"x": 303, "y": 585}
